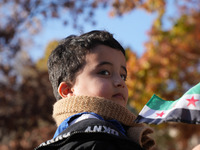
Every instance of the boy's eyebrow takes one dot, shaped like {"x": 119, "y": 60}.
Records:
{"x": 108, "y": 63}
{"x": 104, "y": 63}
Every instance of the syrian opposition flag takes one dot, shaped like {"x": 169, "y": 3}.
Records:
{"x": 186, "y": 109}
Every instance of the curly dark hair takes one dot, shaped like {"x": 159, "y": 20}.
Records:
{"x": 69, "y": 56}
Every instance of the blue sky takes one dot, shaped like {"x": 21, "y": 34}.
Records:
{"x": 130, "y": 30}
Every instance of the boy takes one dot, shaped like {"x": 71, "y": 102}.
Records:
{"x": 88, "y": 74}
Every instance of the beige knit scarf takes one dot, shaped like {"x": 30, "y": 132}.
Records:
{"x": 107, "y": 109}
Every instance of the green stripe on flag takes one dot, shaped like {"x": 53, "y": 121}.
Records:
{"x": 157, "y": 103}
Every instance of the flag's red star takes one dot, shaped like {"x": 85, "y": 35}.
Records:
{"x": 160, "y": 114}
{"x": 192, "y": 101}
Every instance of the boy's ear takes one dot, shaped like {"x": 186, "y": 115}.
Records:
{"x": 64, "y": 90}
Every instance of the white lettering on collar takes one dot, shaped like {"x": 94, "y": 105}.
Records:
{"x": 99, "y": 128}
{"x": 60, "y": 137}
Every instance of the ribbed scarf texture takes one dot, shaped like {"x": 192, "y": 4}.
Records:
{"x": 107, "y": 109}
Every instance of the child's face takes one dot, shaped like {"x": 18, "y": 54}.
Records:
{"x": 103, "y": 75}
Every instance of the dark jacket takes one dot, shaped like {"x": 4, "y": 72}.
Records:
{"x": 90, "y": 134}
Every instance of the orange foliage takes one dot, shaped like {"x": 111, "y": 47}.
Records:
{"x": 168, "y": 68}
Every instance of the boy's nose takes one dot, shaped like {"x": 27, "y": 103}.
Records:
{"x": 119, "y": 82}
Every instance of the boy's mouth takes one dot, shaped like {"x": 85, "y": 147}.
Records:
{"x": 119, "y": 96}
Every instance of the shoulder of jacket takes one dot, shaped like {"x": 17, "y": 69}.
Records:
{"x": 91, "y": 129}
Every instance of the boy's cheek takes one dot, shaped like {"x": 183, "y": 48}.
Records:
{"x": 102, "y": 90}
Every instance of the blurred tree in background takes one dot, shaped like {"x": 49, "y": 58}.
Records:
{"x": 169, "y": 66}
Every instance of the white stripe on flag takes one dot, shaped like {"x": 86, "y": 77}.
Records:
{"x": 183, "y": 102}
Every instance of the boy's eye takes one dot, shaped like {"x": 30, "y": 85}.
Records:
{"x": 104, "y": 72}
{"x": 124, "y": 77}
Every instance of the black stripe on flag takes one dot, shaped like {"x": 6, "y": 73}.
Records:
{"x": 176, "y": 115}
